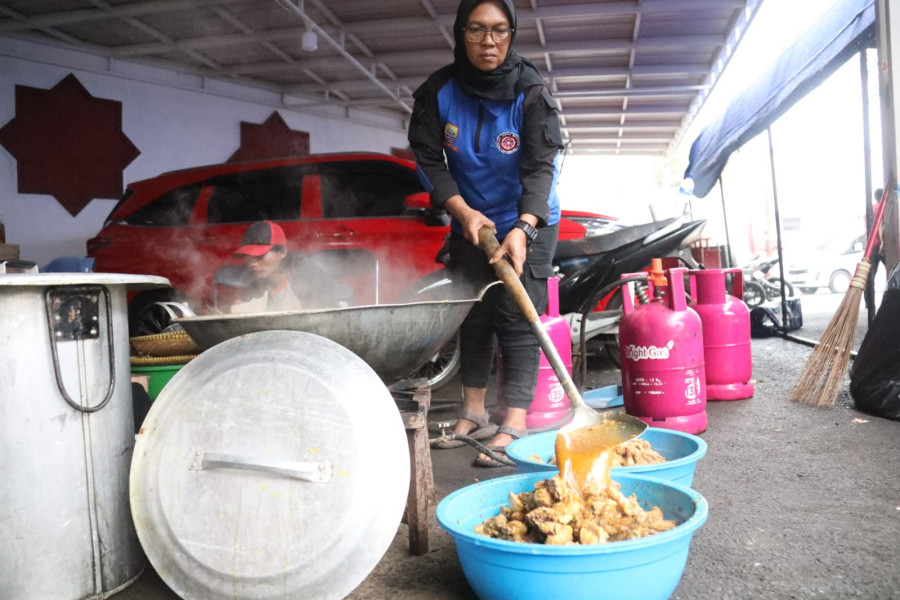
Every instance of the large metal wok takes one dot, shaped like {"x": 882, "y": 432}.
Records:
{"x": 394, "y": 339}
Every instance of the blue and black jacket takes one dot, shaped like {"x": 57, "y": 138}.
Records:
{"x": 499, "y": 155}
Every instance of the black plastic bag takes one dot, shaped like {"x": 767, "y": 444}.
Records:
{"x": 875, "y": 374}
{"x": 765, "y": 320}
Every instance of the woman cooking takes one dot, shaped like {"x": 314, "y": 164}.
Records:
{"x": 486, "y": 136}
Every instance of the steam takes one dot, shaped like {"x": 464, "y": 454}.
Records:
{"x": 337, "y": 201}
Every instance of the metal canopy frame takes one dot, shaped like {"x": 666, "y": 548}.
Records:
{"x": 628, "y": 75}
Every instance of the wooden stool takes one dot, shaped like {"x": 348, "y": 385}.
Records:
{"x": 413, "y": 399}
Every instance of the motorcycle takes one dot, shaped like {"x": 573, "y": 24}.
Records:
{"x": 590, "y": 270}
{"x": 762, "y": 285}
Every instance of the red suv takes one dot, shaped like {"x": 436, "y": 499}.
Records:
{"x": 186, "y": 224}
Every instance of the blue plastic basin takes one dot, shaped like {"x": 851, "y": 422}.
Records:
{"x": 604, "y": 397}
{"x": 648, "y": 568}
{"x": 681, "y": 451}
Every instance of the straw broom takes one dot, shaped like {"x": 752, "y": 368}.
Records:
{"x": 823, "y": 374}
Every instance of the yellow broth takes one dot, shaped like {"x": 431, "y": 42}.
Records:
{"x": 585, "y": 456}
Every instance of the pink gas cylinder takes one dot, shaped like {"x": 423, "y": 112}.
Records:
{"x": 551, "y": 404}
{"x": 661, "y": 350}
{"x": 726, "y": 333}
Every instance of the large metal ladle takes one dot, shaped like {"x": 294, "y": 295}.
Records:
{"x": 627, "y": 427}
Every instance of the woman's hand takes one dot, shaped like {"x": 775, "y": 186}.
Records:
{"x": 515, "y": 247}
{"x": 470, "y": 219}
{"x": 472, "y": 224}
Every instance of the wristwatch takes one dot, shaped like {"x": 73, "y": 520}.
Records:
{"x": 530, "y": 232}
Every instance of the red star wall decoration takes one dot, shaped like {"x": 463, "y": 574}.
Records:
{"x": 68, "y": 144}
{"x": 272, "y": 139}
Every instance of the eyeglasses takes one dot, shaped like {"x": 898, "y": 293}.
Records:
{"x": 476, "y": 34}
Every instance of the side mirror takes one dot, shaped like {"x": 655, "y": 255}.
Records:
{"x": 418, "y": 201}
{"x": 420, "y": 204}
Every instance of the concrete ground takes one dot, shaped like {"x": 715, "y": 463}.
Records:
{"x": 804, "y": 502}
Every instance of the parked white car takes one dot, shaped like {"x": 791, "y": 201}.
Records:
{"x": 831, "y": 265}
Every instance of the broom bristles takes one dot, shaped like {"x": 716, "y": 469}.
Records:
{"x": 823, "y": 373}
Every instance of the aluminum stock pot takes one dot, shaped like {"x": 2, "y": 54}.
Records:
{"x": 273, "y": 465}
{"x": 66, "y": 435}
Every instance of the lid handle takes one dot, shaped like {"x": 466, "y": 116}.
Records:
{"x": 315, "y": 472}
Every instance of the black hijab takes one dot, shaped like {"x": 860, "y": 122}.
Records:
{"x": 505, "y": 82}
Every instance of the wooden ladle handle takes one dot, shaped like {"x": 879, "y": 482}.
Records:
{"x": 507, "y": 275}
{"x": 513, "y": 284}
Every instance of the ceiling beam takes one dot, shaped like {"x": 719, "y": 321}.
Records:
{"x": 658, "y": 126}
{"x": 616, "y": 139}
{"x": 339, "y": 48}
{"x": 123, "y": 11}
{"x": 551, "y": 13}
{"x": 242, "y": 26}
{"x": 420, "y": 57}
{"x": 639, "y": 70}
{"x": 616, "y": 150}
{"x": 569, "y": 75}
{"x": 597, "y": 104}
{"x": 154, "y": 32}
{"x": 576, "y": 113}
{"x": 55, "y": 33}
{"x": 739, "y": 24}
{"x": 581, "y": 48}
{"x": 656, "y": 91}
{"x": 692, "y": 42}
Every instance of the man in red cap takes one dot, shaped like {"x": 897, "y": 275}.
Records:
{"x": 280, "y": 281}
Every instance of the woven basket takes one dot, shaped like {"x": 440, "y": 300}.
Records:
{"x": 174, "y": 343}
{"x": 146, "y": 361}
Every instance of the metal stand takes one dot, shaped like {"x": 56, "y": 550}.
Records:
{"x": 413, "y": 398}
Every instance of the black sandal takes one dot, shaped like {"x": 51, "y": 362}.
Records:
{"x": 487, "y": 461}
{"x": 483, "y": 430}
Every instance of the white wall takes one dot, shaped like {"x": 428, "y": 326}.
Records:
{"x": 176, "y": 120}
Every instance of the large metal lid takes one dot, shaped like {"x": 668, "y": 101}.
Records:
{"x": 273, "y": 465}
{"x": 133, "y": 282}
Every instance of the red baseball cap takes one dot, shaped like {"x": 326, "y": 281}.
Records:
{"x": 260, "y": 238}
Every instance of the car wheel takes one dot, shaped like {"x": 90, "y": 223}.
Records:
{"x": 808, "y": 290}
{"x": 441, "y": 367}
{"x": 839, "y": 282}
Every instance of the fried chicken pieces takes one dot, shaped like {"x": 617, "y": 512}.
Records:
{"x": 552, "y": 514}
{"x": 636, "y": 452}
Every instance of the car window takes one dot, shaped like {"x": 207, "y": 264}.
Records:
{"x": 273, "y": 194}
{"x": 839, "y": 246}
{"x": 366, "y": 189}
{"x": 172, "y": 209}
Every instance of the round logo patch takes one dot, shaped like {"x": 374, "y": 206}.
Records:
{"x": 507, "y": 142}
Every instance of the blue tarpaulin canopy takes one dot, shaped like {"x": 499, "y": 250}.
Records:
{"x": 840, "y": 31}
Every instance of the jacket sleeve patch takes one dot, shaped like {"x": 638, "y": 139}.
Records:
{"x": 451, "y": 132}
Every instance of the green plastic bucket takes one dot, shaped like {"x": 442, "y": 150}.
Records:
{"x": 158, "y": 376}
